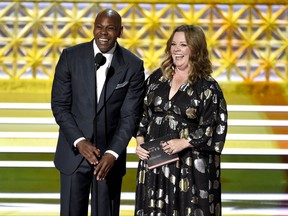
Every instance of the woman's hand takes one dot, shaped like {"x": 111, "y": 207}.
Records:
{"x": 175, "y": 145}
{"x": 141, "y": 152}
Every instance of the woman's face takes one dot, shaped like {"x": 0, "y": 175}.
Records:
{"x": 180, "y": 51}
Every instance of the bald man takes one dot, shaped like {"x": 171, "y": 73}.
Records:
{"x": 96, "y": 99}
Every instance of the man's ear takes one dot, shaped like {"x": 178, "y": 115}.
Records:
{"x": 120, "y": 32}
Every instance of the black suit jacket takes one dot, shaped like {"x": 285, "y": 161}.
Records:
{"x": 74, "y": 106}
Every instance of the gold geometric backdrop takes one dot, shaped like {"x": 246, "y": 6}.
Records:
{"x": 247, "y": 42}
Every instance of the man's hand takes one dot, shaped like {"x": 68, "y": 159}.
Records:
{"x": 105, "y": 164}
{"x": 90, "y": 152}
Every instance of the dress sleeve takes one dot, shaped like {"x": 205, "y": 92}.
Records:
{"x": 211, "y": 132}
{"x": 142, "y": 129}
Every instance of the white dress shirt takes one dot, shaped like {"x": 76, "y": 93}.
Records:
{"x": 102, "y": 70}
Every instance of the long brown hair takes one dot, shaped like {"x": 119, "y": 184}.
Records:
{"x": 199, "y": 60}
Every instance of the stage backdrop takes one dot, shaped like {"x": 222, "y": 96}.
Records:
{"x": 247, "y": 39}
{"x": 248, "y": 45}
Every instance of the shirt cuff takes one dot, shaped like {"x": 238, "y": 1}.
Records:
{"x": 113, "y": 153}
{"x": 78, "y": 140}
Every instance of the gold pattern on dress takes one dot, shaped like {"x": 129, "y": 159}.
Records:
{"x": 166, "y": 171}
{"x": 153, "y": 86}
{"x": 198, "y": 133}
{"x": 190, "y": 91}
{"x": 157, "y": 101}
{"x": 173, "y": 124}
{"x": 211, "y": 198}
{"x": 167, "y": 199}
{"x": 173, "y": 179}
{"x": 148, "y": 129}
{"x": 145, "y": 99}
{"x": 214, "y": 98}
{"x": 218, "y": 173}
{"x": 177, "y": 110}
{"x": 167, "y": 106}
{"x": 158, "y": 109}
{"x": 209, "y": 142}
{"x": 200, "y": 165}
{"x": 158, "y": 120}
{"x": 198, "y": 212}
{"x": 209, "y": 78}
{"x": 150, "y": 193}
{"x": 191, "y": 113}
{"x": 169, "y": 117}
{"x": 211, "y": 208}
{"x": 194, "y": 200}
{"x": 162, "y": 79}
{"x": 184, "y": 171}
{"x": 184, "y": 184}
{"x": 216, "y": 184}
{"x": 178, "y": 164}
{"x": 222, "y": 104}
{"x": 223, "y": 117}
{"x": 189, "y": 161}
{"x": 209, "y": 185}
{"x": 210, "y": 159}
{"x": 175, "y": 213}
{"x": 195, "y": 102}
{"x": 203, "y": 194}
{"x": 188, "y": 211}
{"x": 160, "y": 193}
{"x": 141, "y": 177}
{"x": 152, "y": 203}
{"x": 155, "y": 171}
{"x": 184, "y": 133}
{"x": 140, "y": 212}
{"x": 218, "y": 209}
{"x": 209, "y": 131}
{"x": 160, "y": 204}
{"x": 219, "y": 146}
{"x": 193, "y": 189}
{"x": 201, "y": 120}
{"x": 184, "y": 87}
{"x": 150, "y": 98}
{"x": 217, "y": 161}
{"x": 207, "y": 93}
{"x": 220, "y": 129}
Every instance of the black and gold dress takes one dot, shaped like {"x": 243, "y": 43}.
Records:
{"x": 191, "y": 186}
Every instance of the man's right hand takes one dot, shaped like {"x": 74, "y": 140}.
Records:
{"x": 90, "y": 152}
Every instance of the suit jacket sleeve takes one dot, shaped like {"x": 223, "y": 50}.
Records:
{"x": 132, "y": 106}
{"x": 61, "y": 101}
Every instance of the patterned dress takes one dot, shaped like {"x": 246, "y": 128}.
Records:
{"x": 191, "y": 186}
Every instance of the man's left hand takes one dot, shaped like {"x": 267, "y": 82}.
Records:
{"x": 103, "y": 167}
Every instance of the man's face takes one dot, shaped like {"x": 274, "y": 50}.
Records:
{"x": 107, "y": 28}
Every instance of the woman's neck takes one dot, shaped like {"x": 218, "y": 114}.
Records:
{"x": 181, "y": 76}
{"x": 178, "y": 79}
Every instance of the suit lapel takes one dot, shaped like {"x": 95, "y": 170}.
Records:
{"x": 89, "y": 70}
{"x": 114, "y": 75}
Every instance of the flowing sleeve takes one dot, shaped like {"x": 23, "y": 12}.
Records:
{"x": 151, "y": 83}
{"x": 210, "y": 135}
{"x": 143, "y": 125}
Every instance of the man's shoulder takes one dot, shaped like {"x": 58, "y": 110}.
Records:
{"x": 79, "y": 46}
{"x": 128, "y": 54}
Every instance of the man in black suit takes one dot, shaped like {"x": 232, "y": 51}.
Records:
{"x": 97, "y": 103}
